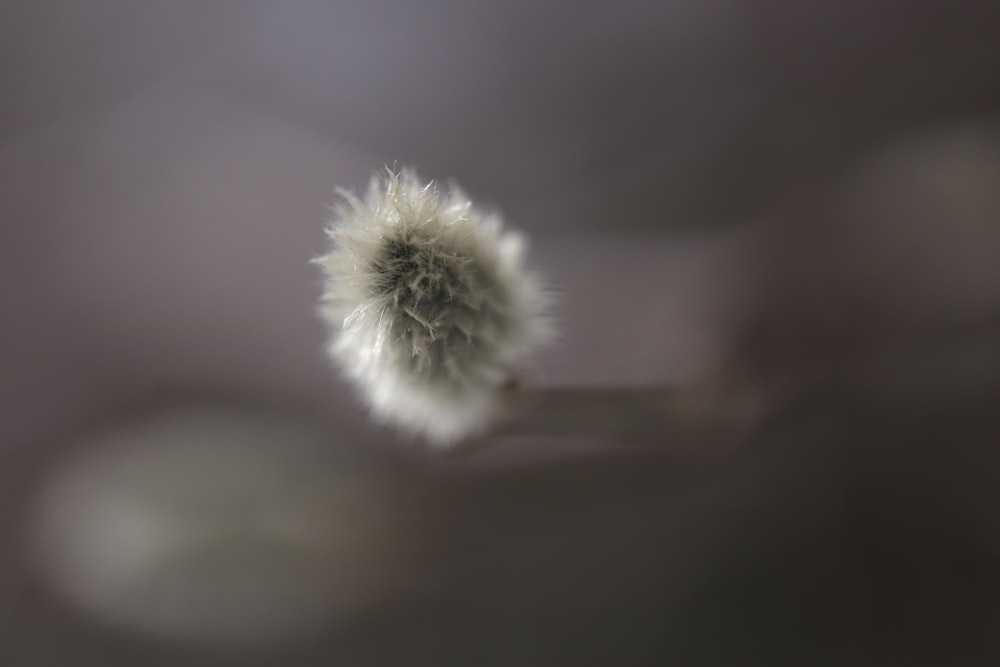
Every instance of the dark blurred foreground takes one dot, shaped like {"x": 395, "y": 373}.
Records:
{"x": 855, "y": 526}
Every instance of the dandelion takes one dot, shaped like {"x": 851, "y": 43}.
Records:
{"x": 430, "y": 306}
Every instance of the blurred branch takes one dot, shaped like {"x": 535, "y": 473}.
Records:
{"x": 640, "y": 416}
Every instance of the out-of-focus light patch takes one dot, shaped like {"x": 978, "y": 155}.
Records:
{"x": 922, "y": 227}
{"x": 219, "y": 526}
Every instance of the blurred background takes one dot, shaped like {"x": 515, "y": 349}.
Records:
{"x": 785, "y": 215}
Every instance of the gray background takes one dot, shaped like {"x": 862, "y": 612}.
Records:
{"x": 787, "y": 208}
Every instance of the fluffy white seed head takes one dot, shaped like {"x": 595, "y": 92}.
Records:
{"x": 430, "y": 305}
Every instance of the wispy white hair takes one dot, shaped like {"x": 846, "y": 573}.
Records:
{"x": 429, "y": 304}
